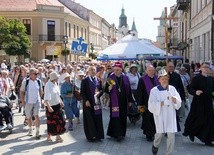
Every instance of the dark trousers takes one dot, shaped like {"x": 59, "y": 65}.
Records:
{"x": 6, "y": 113}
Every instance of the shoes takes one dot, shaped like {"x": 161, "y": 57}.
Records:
{"x": 2, "y": 127}
{"x": 49, "y": 139}
{"x": 209, "y": 144}
{"x": 59, "y": 139}
{"x": 154, "y": 150}
{"x": 20, "y": 110}
{"x": 70, "y": 128}
{"x": 119, "y": 138}
{"x": 184, "y": 134}
{"x": 30, "y": 132}
{"x": 25, "y": 122}
{"x": 149, "y": 138}
{"x": 9, "y": 126}
{"x": 92, "y": 139}
{"x": 78, "y": 121}
{"x": 38, "y": 135}
{"x": 192, "y": 138}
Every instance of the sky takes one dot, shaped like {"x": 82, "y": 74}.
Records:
{"x": 142, "y": 11}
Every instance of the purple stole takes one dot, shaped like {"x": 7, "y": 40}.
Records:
{"x": 114, "y": 95}
{"x": 93, "y": 86}
{"x": 148, "y": 83}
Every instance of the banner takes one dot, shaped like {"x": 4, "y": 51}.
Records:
{"x": 79, "y": 47}
{"x": 53, "y": 50}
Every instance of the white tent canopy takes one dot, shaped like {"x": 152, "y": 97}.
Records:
{"x": 129, "y": 47}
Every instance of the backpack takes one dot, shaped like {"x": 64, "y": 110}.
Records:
{"x": 38, "y": 81}
{"x": 27, "y": 82}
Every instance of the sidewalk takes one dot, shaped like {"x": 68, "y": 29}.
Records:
{"x": 75, "y": 142}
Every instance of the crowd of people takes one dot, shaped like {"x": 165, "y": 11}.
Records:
{"x": 168, "y": 94}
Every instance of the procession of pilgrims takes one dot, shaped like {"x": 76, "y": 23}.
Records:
{"x": 158, "y": 98}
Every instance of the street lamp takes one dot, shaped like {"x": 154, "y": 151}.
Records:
{"x": 65, "y": 43}
{"x": 92, "y": 47}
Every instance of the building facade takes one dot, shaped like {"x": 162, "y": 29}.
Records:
{"x": 192, "y": 37}
{"x": 201, "y": 30}
{"x": 47, "y": 22}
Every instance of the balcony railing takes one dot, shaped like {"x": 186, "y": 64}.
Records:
{"x": 183, "y": 4}
{"x": 50, "y": 37}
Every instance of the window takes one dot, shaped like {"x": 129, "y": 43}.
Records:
{"x": 51, "y": 30}
{"x": 77, "y": 31}
{"x": 69, "y": 29}
{"x": 85, "y": 34}
{"x": 74, "y": 31}
{"x": 66, "y": 28}
{"x": 82, "y": 32}
{"x": 27, "y": 23}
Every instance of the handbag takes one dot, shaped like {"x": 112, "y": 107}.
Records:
{"x": 77, "y": 95}
{"x": 12, "y": 96}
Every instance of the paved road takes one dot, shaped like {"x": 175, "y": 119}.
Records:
{"x": 75, "y": 143}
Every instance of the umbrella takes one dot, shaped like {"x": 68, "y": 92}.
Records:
{"x": 45, "y": 60}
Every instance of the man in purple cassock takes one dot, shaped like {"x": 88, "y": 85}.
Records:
{"x": 146, "y": 83}
{"x": 119, "y": 90}
{"x": 91, "y": 91}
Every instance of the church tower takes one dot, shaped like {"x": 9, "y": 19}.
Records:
{"x": 123, "y": 26}
{"x": 160, "y": 38}
{"x": 134, "y": 29}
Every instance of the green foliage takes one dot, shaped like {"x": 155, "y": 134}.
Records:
{"x": 13, "y": 37}
{"x": 65, "y": 52}
{"x": 92, "y": 55}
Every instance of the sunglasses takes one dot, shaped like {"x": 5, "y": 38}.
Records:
{"x": 35, "y": 73}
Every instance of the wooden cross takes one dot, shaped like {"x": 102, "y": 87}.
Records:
{"x": 165, "y": 18}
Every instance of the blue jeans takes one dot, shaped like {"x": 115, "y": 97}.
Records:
{"x": 71, "y": 109}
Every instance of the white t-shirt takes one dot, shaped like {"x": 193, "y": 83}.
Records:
{"x": 32, "y": 94}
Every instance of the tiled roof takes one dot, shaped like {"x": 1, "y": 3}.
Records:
{"x": 17, "y": 5}
{"x": 30, "y": 5}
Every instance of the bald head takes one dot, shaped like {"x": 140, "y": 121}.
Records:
{"x": 150, "y": 70}
{"x": 170, "y": 67}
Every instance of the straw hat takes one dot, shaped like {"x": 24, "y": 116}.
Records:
{"x": 53, "y": 76}
{"x": 66, "y": 75}
{"x": 80, "y": 73}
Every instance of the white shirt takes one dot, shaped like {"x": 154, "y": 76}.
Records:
{"x": 78, "y": 83}
{"x": 61, "y": 79}
{"x": 164, "y": 116}
{"x": 52, "y": 93}
{"x": 32, "y": 94}
{"x": 133, "y": 79}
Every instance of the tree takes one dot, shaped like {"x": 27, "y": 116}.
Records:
{"x": 65, "y": 52}
{"x": 4, "y": 31}
{"x": 14, "y": 40}
{"x": 93, "y": 55}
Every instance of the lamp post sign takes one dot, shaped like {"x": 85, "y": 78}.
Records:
{"x": 65, "y": 43}
{"x": 79, "y": 47}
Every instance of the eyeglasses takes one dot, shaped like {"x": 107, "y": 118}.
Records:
{"x": 117, "y": 69}
{"x": 205, "y": 66}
